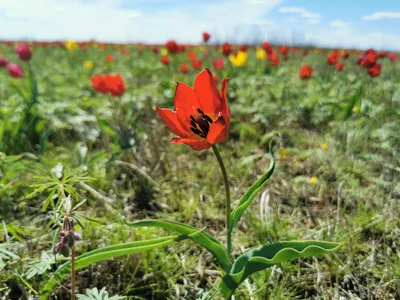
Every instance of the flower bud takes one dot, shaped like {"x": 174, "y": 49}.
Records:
{"x": 15, "y": 70}
{"x": 3, "y": 62}
{"x": 24, "y": 52}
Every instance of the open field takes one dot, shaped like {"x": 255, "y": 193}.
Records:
{"x": 66, "y": 131}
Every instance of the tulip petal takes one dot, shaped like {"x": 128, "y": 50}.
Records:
{"x": 197, "y": 145}
{"x": 186, "y": 104}
{"x": 206, "y": 91}
{"x": 171, "y": 119}
{"x": 218, "y": 131}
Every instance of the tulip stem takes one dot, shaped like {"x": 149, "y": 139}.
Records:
{"x": 227, "y": 200}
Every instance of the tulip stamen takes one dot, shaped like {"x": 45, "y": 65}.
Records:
{"x": 200, "y": 123}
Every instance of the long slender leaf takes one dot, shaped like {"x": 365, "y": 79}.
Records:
{"x": 202, "y": 238}
{"x": 252, "y": 192}
{"x": 265, "y": 256}
{"x": 103, "y": 254}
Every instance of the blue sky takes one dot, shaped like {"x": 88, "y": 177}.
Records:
{"x": 339, "y": 23}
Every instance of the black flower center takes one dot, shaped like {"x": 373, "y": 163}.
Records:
{"x": 200, "y": 123}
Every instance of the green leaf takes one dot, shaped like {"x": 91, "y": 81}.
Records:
{"x": 252, "y": 192}
{"x": 265, "y": 256}
{"x": 202, "y": 238}
{"x": 102, "y": 254}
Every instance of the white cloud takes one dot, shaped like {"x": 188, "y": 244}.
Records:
{"x": 108, "y": 20}
{"x": 382, "y": 15}
{"x": 339, "y": 24}
{"x": 302, "y": 12}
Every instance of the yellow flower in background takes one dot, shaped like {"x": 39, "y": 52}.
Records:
{"x": 283, "y": 152}
{"x": 239, "y": 59}
{"x": 313, "y": 180}
{"x": 88, "y": 64}
{"x": 71, "y": 45}
{"x": 164, "y": 52}
{"x": 261, "y": 54}
{"x": 85, "y": 98}
{"x": 356, "y": 109}
{"x": 324, "y": 146}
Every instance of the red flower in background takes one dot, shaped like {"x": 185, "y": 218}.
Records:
{"x": 339, "y": 67}
{"x": 165, "y": 60}
{"x": 184, "y": 68}
{"x": 15, "y": 70}
{"x": 345, "y": 54}
{"x": 24, "y": 52}
{"x": 267, "y": 47}
{"x": 375, "y": 70}
{"x": 127, "y": 52}
{"x": 216, "y": 78}
{"x": 206, "y": 37}
{"x": 3, "y": 62}
{"x": 99, "y": 84}
{"x": 369, "y": 59}
{"x": 305, "y": 72}
{"x": 284, "y": 50}
{"x": 196, "y": 64}
{"x": 172, "y": 47}
{"x": 244, "y": 48}
{"x": 115, "y": 85}
{"x": 305, "y": 52}
{"x": 201, "y": 117}
{"x": 382, "y": 54}
{"x": 110, "y": 58}
{"x": 333, "y": 58}
{"x": 155, "y": 49}
{"x": 218, "y": 63}
{"x": 392, "y": 57}
{"x": 273, "y": 58}
{"x": 192, "y": 55}
{"x": 226, "y": 49}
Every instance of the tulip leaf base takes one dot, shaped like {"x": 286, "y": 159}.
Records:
{"x": 266, "y": 256}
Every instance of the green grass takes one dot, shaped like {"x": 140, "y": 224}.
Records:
{"x": 355, "y": 200}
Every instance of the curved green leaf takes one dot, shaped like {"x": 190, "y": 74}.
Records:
{"x": 252, "y": 192}
{"x": 202, "y": 238}
{"x": 265, "y": 256}
{"x": 103, "y": 254}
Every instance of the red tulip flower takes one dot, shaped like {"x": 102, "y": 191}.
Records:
{"x": 218, "y": 63}
{"x": 267, "y": 47}
{"x": 155, "y": 49}
{"x": 99, "y": 84}
{"x": 172, "y": 47}
{"x": 305, "y": 52}
{"x": 24, "y": 52}
{"x": 226, "y": 49}
{"x": 375, "y": 70}
{"x": 196, "y": 64}
{"x": 3, "y": 62}
{"x": 339, "y": 67}
{"x": 165, "y": 60}
{"x": 244, "y": 48}
{"x": 184, "y": 68}
{"x": 110, "y": 58}
{"x": 305, "y": 72}
{"x": 273, "y": 58}
{"x": 201, "y": 117}
{"x": 345, "y": 54}
{"x": 333, "y": 58}
{"x": 192, "y": 55}
{"x": 15, "y": 70}
{"x": 115, "y": 85}
{"x": 392, "y": 57}
{"x": 284, "y": 50}
{"x": 206, "y": 37}
{"x": 369, "y": 60}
